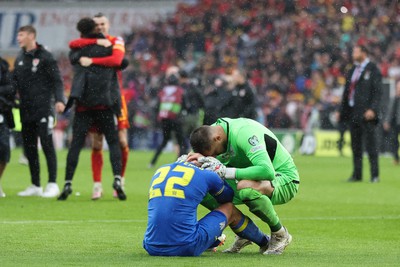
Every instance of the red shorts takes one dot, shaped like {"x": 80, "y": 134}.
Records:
{"x": 123, "y": 121}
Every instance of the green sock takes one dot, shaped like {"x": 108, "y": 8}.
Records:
{"x": 261, "y": 206}
{"x": 209, "y": 202}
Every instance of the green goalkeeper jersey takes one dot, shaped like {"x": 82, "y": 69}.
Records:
{"x": 254, "y": 150}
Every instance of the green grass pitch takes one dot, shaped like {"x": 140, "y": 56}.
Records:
{"x": 333, "y": 223}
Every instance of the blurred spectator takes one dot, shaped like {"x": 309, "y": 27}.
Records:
{"x": 247, "y": 104}
{"x": 170, "y": 106}
{"x": 220, "y": 100}
{"x": 392, "y": 122}
{"x": 7, "y": 102}
{"x": 140, "y": 121}
{"x": 194, "y": 104}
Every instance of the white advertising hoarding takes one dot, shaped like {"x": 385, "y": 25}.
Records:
{"x": 56, "y": 26}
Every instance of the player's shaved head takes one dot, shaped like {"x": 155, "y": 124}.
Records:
{"x": 102, "y": 23}
{"x": 201, "y": 139}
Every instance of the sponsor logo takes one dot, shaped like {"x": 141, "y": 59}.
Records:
{"x": 253, "y": 140}
{"x": 256, "y": 148}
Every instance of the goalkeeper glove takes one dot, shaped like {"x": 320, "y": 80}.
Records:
{"x": 182, "y": 158}
{"x": 218, "y": 168}
{"x": 213, "y": 164}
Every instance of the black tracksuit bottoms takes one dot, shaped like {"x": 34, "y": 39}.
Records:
{"x": 106, "y": 121}
{"x": 30, "y": 133}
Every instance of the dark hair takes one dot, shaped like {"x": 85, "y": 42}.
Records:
{"x": 363, "y": 49}
{"x": 200, "y": 139}
{"x": 172, "y": 80}
{"x": 99, "y": 15}
{"x": 28, "y": 28}
{"x": 183, "y": 74}
{"x": 86, "y": 26}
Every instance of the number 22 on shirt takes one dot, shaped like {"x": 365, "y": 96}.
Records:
{"x": 169, "y": 189}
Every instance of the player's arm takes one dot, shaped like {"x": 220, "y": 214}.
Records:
{"x": 74, "y": 56}
{"x": 219, "y": 188}
{"x": 257, "y": 153}
{"x": 82, "y": 42}
{"x": 115, "y": 59}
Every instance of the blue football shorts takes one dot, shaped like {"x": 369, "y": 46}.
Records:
{"x": 208, "y": 229}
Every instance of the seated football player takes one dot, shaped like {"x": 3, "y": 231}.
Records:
{"x": 175, "y": 192}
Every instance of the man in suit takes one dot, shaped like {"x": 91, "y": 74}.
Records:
{"x": 360, "y": 108}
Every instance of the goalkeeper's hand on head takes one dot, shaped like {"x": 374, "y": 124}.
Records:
{"x": 212, "y": 164}
{"x": 182, "y": 158}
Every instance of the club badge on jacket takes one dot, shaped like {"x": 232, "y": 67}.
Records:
{"x": 35, "y": 63}
{"x": 367, "y": 75}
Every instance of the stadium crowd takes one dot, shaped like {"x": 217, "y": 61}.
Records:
{"x": 294, "y": 54}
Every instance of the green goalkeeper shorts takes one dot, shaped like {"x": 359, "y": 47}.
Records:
{"x": 286, "y": 184}
{"x": 285, "y": 189}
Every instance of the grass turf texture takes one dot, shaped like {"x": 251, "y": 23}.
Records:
{"x": 333, "y": 223}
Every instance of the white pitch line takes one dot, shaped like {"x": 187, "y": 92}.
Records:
{"x": 344, "y": 218}
{"x": 350, "y": 218}
{"x": 71, "y": 221}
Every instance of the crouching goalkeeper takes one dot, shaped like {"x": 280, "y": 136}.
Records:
{"x": 175, "y": 192}
{"x": 256, "y": 165}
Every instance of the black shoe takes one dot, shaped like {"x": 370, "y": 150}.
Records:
{"x": 118, "y": 187}
{"x": 67, "y": 190}
{"x": 353, "y": 179}
{"x": 375, "y": 180}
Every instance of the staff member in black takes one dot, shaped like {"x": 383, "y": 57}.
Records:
{"x": 246, "y": 96}
{"x": 392, "y": 122}
{"x": 7, "y": 98}
{"x": 194, "y": 102}
{"x": 95, "y": 90}
{"x": 38, "y": 82}
{"x": 360, "y": 107}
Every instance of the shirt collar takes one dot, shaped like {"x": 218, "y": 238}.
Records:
{"x": 363, "y": 64}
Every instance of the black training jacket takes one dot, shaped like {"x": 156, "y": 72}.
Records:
{"x": 7, "y": 94}
{"x": 94, "y": 85}
{"x": 38, "y": 81}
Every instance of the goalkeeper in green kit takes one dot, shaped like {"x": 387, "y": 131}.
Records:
{"x": 257, "y": 166}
